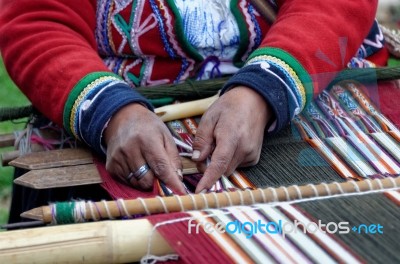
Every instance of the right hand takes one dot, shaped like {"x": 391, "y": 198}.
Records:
{"x": 136, "y": 136}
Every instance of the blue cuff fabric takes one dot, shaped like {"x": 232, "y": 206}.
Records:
{"x": 267, "y": 85}
{"x": 93, "y": 119}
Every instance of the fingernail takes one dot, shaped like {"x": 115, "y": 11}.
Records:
{"x": 196, "y": 154}
{"x": 203, "y": 191}
{"x": 180, "y": 175}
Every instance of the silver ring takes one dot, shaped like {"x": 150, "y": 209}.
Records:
{"x": 139, "y": 174}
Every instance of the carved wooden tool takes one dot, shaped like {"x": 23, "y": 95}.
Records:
{"x": 66, "y": 167}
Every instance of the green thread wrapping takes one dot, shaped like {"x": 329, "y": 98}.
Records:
{"x": 64, "y": 213}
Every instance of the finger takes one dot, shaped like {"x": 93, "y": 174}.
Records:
{"x": 164, "y": 169}
{"x": 172, "y": 150}
{"x": 144, "y": 181}
{"x": 220, "y": 160}
{"x": 116, "y": 164}
{"x": 204, "y": 140}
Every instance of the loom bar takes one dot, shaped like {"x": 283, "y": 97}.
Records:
{"x": 98, "y": 242}
{"x": 219, "y": 200}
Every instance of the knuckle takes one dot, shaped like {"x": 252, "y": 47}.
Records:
{"x": 146, "y": 184}
{"x": 200, "y": 140}
{"x": 220, "y": 164}
{"x": 160, "y": 167}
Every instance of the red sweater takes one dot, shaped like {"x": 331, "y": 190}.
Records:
{"x": 59, "y": 53}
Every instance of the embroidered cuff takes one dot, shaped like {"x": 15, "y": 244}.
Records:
{"x": 93, "y": 101}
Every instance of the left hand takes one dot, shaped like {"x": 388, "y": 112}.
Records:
{"x": 231, "y": 131}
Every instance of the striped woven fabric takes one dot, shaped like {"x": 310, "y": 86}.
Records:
{"x": 340, "y": 136}
{"x": 343, "y": 229}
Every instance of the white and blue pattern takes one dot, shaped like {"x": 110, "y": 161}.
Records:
{"x": 210, "y": 27}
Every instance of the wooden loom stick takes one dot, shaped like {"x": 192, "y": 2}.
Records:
{"x": 99, "y": 242}
{"x": 53, "y": 159}
{"x": 7, "y": 140}
{"x": 218, "y": 200}
{"x": 67, "y": 167}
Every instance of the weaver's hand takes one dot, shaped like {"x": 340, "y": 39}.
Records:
{"x": 231, "y": 131}
{"x": 135, "y": 136}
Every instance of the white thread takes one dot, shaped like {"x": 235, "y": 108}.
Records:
{"x": 286, "y": 193}
{"x": 393, "y": 182}
{"x": 379, "y": 183}
{"x": 152, "y": 259}
{"x": 90, "y": 203}
{"x": 274, "y": 194}
{"x": 328, "y": 190}
{"x": 163, "y": 204}
{"x": 240, "y": 197}
{"x": 205, "y": 200}
{"x": 253, "y": 201}
{"x": 53, "y": 210}
{"x": 296, "y": 187}
{"x": 80, "y": 212}
{"x": 144, "y": 206}
{"x": 229, "y": 198}
{"x": 122, "y": 204}
{"x": 263, "y": 195}
{"x": 216, "y": 199}
{"x": 146, "y": 257}
{"x": 193, "y": 201}
{"x": 356, "y": 188}
{"x": 368, "y": 181}
{"x": 339, "y": 187}
{"x": 178, "y": 198}
{"x": 107, "y": 210}
{"x": 314, "y": 189}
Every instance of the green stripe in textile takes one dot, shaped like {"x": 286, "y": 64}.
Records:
{"x": 364, "y": 209}
{"x": 287, "y": 160}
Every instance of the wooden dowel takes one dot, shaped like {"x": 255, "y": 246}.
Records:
{"x": 6, "y": 157}
{"x": 218, "y": 200}
{"x": 99, "y": 242}
{"x": 7, "y": 140}
{"x": 184, "y": 110}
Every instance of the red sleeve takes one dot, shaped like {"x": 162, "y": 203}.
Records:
{"x": 321, "y": 35}
{"x": 48, "y": 46}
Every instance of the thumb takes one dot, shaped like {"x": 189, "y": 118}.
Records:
{"x": 203, "y": 142}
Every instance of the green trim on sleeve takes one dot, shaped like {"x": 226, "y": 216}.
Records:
{"x": 76, "y": 93}
{"x": 303, "y": 75}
